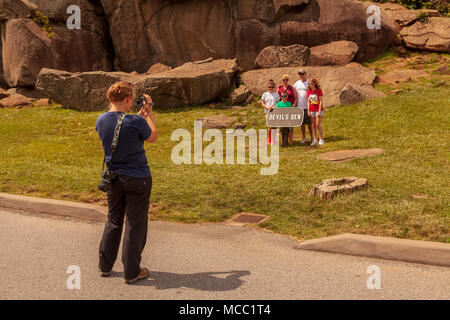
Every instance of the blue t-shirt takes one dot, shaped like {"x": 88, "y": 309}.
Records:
{"x": 129, "y": 158}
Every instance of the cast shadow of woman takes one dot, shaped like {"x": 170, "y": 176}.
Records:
{"x": 206, "y": 281}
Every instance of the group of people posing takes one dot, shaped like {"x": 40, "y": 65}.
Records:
{"x": 306, "y": 94}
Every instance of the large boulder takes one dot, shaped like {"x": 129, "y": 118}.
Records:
{"x": 337, "y": 53}
{"x": 173, "y": 32}
{"x": 43, "y": 102}
{"x": 11, "y": 9}
{"x": 27, "y": 49}
{"x": 354, "y": 93}
{"x": 4, "y": 93}
{"x": 158, "y": 68}
{"x": 83, "y": 91}
{"x": 31, "y": 93}
{"x": 404, "y": 16}
{"x": 417, "y": 29}
{"x": 239, "y": 95}
{"x": 92, "y": 15}
{"x": 149, "y": 31}
{"x": 432, "y": 34}
{"x": 279, "y": 56}
{"x": 191, "y": 84}
{"x": 340, "y": 85}
{"x": 15, "y": 100}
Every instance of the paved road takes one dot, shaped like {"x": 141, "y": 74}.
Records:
{"x": 207, "y": 261}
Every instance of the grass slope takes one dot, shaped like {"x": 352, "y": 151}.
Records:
{"x": 55, "y": 152}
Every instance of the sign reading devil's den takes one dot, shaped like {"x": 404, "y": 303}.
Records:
{"x": 284, "y": 117}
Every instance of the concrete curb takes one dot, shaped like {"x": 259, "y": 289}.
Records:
{"x": 426, "y": 252}
{"x": 56, "y": 207}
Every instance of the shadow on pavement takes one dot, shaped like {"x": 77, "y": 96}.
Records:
{"x": 206, "y": 281}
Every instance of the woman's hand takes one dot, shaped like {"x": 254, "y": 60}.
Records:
{"x": 147, "y": 108}
{"x": 149, "y": 103}
{"x": 143, "y": 112}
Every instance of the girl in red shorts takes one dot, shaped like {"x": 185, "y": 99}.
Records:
{"x": 315, "y": 109}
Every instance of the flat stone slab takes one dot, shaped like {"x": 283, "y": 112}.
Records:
{"x": 345, "y": 155}
{"x": 15, "y": 100}
{"x": 43, "y": 102}
{"x": 217, "y": 122}
{"x": 56, "y": 207}
{"x": 426, "y": 252}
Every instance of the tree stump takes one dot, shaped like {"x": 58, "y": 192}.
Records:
{"x": 329, "y": 188}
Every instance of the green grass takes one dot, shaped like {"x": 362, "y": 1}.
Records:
{"x": 419, "y": 60}
{"x": 55, "y": 152}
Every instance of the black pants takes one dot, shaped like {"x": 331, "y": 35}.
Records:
{"x": 285, "y": 136}
{"x": 130, "y": 196}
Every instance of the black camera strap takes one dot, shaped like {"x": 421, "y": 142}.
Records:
{"x": 115, "y": 141}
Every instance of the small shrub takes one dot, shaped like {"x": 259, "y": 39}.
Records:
{"x": 422, "y": 16}
{"x": 44, "y": 23}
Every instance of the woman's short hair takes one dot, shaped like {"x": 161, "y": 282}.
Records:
{"x": 285, "y": 76}
{"x": 119, "y": 91}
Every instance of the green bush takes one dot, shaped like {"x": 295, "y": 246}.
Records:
{"x": 44, "y": 23}
{"x": 422, "y": 16}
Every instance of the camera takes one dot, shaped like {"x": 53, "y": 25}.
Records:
{"x": 107, "y": 178}
{"x": 140, "y": 102}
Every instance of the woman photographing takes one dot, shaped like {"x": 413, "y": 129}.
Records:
{"x": 129, "y": 190}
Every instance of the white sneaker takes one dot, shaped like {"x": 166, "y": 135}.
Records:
{"x": 313, "y": 143}
{"x": 321, "y": 142}
{"x": 303, "y": 140}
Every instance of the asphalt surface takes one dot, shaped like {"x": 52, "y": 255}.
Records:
{"x": 202, "y": 261}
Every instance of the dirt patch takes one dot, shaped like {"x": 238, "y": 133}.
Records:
{"x": 419, "y": 196}
{"x": 157, "y": 207}
{"x": 345, "y": 155}
{"x": 397, "y": 76}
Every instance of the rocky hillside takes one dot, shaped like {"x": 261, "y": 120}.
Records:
{"x": 133, "y": 35}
